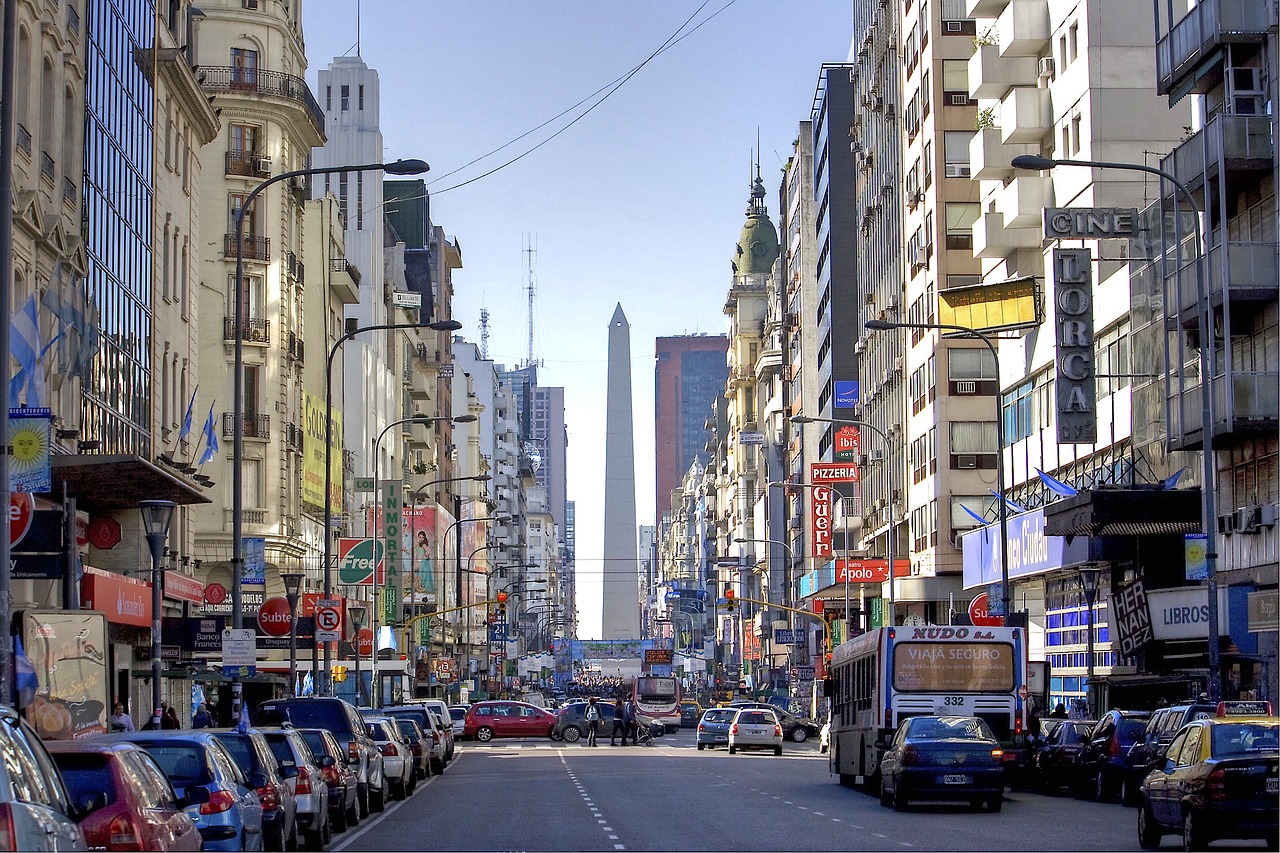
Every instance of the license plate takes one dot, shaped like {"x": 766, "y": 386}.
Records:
{"x": 1273, "y": 786}
{"x": 956, "y": 779}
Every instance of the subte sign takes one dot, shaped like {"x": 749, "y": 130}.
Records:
{"x": 978, "y": 612}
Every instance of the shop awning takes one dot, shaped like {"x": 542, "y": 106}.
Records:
{"x": 110, "y": 483}
{"x": 1124, "y": 512}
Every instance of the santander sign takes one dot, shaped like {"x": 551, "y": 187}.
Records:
{"x": 274, "y": 618}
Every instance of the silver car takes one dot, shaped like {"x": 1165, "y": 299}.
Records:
{"x": 38, "y": 812}
{"x": 309, "y": 786}
{"x": 755, "y": 728}
{"x": 397, "y": 760}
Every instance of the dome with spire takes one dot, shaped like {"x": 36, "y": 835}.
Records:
{"x": 758, "y": 243}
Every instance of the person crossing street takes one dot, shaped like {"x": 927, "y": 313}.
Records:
{"x": 619, "y": 722}
{"x": 592, "y": 717}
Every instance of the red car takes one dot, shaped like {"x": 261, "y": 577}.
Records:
{"x": 141, "y": 810}
{"x": 500, "y": 718}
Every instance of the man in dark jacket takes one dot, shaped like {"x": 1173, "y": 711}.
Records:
{"x": 619, "y": 722}
{"x": 631, "y": 716}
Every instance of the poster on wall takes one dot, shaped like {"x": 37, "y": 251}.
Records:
{"x": 29, "y": 469}
{"x": 68, "y": 650}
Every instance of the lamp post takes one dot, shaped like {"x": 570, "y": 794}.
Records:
{"x": 399, "y": 167}
{"x": 156, "y": 517}
{"x": 356, "y": 613}
{"x": 292, "y": 588}
{"x": 1005, "y": 595}
{"x": 1090, "y": 577}
{"x": 1208, "y": 491}
{"x": 438, "y": 326}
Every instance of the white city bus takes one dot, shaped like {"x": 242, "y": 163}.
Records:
{"x": 657, "y": 700}
{"x": 882, "y": 677}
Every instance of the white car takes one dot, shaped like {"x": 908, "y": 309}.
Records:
{"x": 755, "y": 728}
{"x": 459, "y": 715}
{"x": 397, "y": 759}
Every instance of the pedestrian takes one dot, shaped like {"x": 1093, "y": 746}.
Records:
{"x": 1059, "y": 712}
{"x": 619, "y": 722}
{"x": 120, "y": 720}
{"x": 202, "y": 719}
{"x": 592, "y": 717}
{"x": 631, "y": 714}
{"x": 170, "y": 719}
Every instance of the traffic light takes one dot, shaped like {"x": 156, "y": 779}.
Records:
{"x": 730, "y": 601}
{"x": 502, "y": 598}
{"x": 339, "y": 673}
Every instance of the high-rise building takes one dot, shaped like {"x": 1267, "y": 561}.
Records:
{"x": 621, "y": 582}
{"x": 689, "y": 374}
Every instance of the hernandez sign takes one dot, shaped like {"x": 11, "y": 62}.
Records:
{"x": 1132, "y": 618}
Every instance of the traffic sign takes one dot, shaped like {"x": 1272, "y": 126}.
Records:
{"x": 239, "y": 647}
{"x": 979, "y": 615}
{"x": 276, "y": 617}
{"x": 328, "y": 621}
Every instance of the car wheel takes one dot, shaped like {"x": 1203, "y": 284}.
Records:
{"x": 701, "y": 746}
{"x": 886, "y": 799}
{"x": 276, "y": 840}
{"x": 353, "y": 813}
{"x": 777, "y": 750}
{"x": 484, "y": 734}
{"x": 1193, "y": 836}
{"x": 363, "y": 801}
{"x": 799, "y": 735}
{"x": 571, "y": 734}
{"x": 378, "y": 799}
{"x": 994, "y": 804}
{"x": 732, "y": 749}
{"x": 327, "y": 831}
{"x": 398, "y": 789}
{"x": 975, "y": 805}
{"x": 338, "y": 819}
{"x": 1148, "y": 830}
{"x": 315, "y": 839}
{"x": 1102, "y": 788}
{"x": 899, "y": 798}
{"x": 291, "y": 843}
{"x": 437, "y": 766}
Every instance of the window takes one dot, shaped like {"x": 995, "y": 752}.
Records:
{"x": 250, "y": 227}
{"x": 344, "y": 98}
{"x": 970, "y": 364}
{"x": 973, "y": 444}
{"x": 983, "y": 506}
{"x": 960, "y": 218}
{"x": 244, "y": 68}
{"x": 1112, "y": 360}
{"x": 1073, "y": 41}
{"x": 955, "y": 145}
{"x": 251, "y": 477}
{"x": 253, "y": 294}
{"x": 927, "y": 161}
{"x": 360, "y": 97}
{"x": 955, "y": 77}
{"x": 1016, "y": 411}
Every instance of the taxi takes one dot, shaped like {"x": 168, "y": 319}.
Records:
{"x": 1218, "y": 778}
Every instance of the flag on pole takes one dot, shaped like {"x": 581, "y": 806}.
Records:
{"x": 1008, "y": 502}
{"x": 186, "y": 419}
{"x": 26, "y": 680}
{"x": 308, "y": 685}
{"x": 1056, "y": 486}
{"x": 1173, "y": 481}
{"x": 24, "y": 344}
{"x": 210, "y": 437}
{"x": 977, "y": 517}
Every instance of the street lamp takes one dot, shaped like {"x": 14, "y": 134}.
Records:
{"x": 399, "y": 167}
{"x": 292, "y": 588}
{"x": 438, "y": 326}
{"x": 1005, "y": 596}
{"x": 1090, "y": 577}
{"x": 1208, "y": 491}
{"x": 356, "y": 613}
{"x": 156, "y": 517}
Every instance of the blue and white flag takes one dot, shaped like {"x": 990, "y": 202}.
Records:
{"x": 24, "y": 344}
{"x": 977, "y": 517}
{"x": 26, "y": 680}
{"x": 1013, "y": 506}
{"x": 210, "y": 437}
{"x": 1173, "y": 481}
{"x": 67, "y": 298}
{"x": 308, "y": 685}
{"x": 186, "y": 419}
{"x": 1056, "y": 486}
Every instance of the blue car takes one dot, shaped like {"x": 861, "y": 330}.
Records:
{"x": 231, "y": 820}
{"x": 942, "y": 758}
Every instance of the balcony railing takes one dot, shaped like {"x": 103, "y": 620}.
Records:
{"x": 256, "y": 330}
{"x": 68, "y": 191}
{"x": 1205, "y": 26}
{"x": 24, "y": 140}
{"x": 46, "y": 166}
{"x": 255, "y": 248}
{"x": 1227, "y": 141}
{"x": 250, "y": 164}
{"x": 1248, "y": 403}
{"x": 256, "y": 81}
{"x": 253, "y": 426}
{"x": 1247, "y": 271}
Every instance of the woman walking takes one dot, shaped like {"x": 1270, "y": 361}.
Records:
{"x": 592, "y": 717}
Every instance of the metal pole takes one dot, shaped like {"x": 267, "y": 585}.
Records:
{"x": 10, "y": 26}
{"x": 156, "y": 543}
{"x": 355, "y": 649}
{"x": 292, "y": 598}
{"x": 1090, "y": 596}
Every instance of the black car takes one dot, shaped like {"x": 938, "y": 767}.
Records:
{"x": 942, "y": 758}
{"x": 1218, "y": 778}
{"x": 1057, "y": 760}
{"x": 571, "y": 721}
{"x": 1146, "y": 753}
{"x": 1103, "y": 761}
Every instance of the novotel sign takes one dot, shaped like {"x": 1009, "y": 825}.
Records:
{"x": 1090, "y": 223}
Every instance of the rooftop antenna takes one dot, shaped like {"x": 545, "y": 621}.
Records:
{"x": 529, "y": 251}
{"x": 484, "y": 334}
{"x": 357, "y": 27}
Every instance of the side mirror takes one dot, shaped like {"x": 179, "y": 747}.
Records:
{"x": 258, "y": 780}
{"x": 288, "y": 770}
{"x": 325, "y": 761}
{"x": 194, "y": 795}
{"x": 87, "y": 804}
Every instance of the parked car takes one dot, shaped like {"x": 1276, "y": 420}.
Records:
{"x": 1218, "y": 778}
{"x": 421, "y": 713}
{"x": 307, "y": 785}
{"x": 942, "y": 758}
{"x": 713, "y": 728}
{"x": 755, "y": 728}
{"x": 231, "y": 819}
{"x": 342, "y": 719}
{"x": 279, "y": 806}
{"x": 499, "y": 718}
{"x": 1056, "y": 762}
{"x": 36, "y": 810}
{"x": 135, "y": 806}
{"x": 1103, "y": 760}
{"x": 419, "y": 746}
{"x": 397, "y": 758}
{"x": 340, "y": 777}
{"x": 458, "y": 718}
{"x": 1146, "y": 752}
{"x": 794, "y": 728}
{"x": 571, "y": 721}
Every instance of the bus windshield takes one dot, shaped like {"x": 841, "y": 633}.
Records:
{"x": 953, "y": 667}
{"x": 650, "y": 688}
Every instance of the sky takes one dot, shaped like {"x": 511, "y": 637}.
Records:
{"x": 637, "y": 201}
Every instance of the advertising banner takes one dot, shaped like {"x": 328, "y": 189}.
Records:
{"x": 253, "y": 561}
{"x": 123, "y": 600}
{"x": 357, "y": 560}
{"x": 391, "y": 533}
{"x": 820, "y": 509}
{"x": 870, "y": 571}
{"x": 29, "y": 457}
{"x": 1131, "y": 618}
{"x": 68, "y": 649}
{"x": 36, "y": 539}
{"x": 846, "y": 443}
{"x": 1075, "y": 386}
{"x": 313, "y": 452}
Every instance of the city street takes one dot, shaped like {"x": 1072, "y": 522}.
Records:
{"x": 542, "y": 795}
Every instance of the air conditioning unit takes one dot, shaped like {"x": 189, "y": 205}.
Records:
{"x": 262, "y": 165}
{"x": 966, "y": 386}
{"x": 1267, "y": 515}
{"x": 891, "y": 304}
{"x": 876, "y": 455}
{"x": 257, "y": 334}
{"x": 1248, "y": 519}
{"x": 1248, "y": 97}
{"x": 958, "y": 170}
{"x": 920, "y": 256}
{"x": 967, "y": 461}
{"x": 860, "y": 345}
{"x": 958, "y": 99}
{"x": 1227, "y": 524}
{"x": 250, "y": 4}
{"x": 953, "y": 26}
{"x": 897, "y": 364}
{"x": 1046, "y": 67}
{"x": 861, "y": 460}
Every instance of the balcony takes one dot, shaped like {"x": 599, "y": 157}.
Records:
{"x": 24, "y": 140}
{"x": 1232, "y": 142}
{"x": 1026, "y": 115}
{"x": 254, "y": 248}
{"x": 992, "y": 239}
{"x": 256, "y": 330}
{"x": 1022, "y": 201}
{"x": 991, "y": 75}
{"x": 1207, "y": 26}
{"x": 984, "y": 8}
{"x": 1236, "y": 273}
{"x": 248, "y": 164}
{"x": 46, "y": 167}
{"x": 1024, "y": 28}
{"x": 254, "y": 426}
{"x": 989, "y": 155}
{"x": 1245, "y": 405}
{"x": 242, "y": 81}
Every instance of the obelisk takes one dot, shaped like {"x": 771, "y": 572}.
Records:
{"x": 621, "y": 612}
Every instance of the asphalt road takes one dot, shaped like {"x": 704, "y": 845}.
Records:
{"x": 541, "y": 795}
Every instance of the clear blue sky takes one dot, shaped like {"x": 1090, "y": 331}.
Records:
{"x": 639, "y": 202}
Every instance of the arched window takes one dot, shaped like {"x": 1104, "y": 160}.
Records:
{"x": 48, "y": 139}
{"x": 23, "y": 73}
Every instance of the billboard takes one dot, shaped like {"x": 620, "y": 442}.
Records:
{"x": 68, "y": 649}
{"x": 313, "y": 453}
{"x": 994, "y": 307}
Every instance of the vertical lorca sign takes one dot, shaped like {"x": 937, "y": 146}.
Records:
{"x": 821, "y": 514}
{"x": 1076, "y": 383}
{"x": 391, "y": 532}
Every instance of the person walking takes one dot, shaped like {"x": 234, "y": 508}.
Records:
{"x": 631, "y": 714}
{"x": 592, "y": 716}
{"x": 170, "y": 719}
{"x": 202, "y": 719}
{"x": 619, "y": 722}
{"x": 120, "y": 720}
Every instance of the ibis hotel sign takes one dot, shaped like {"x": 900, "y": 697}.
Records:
{"x": 1076, "y": 385}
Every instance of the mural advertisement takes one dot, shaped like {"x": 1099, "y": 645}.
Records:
{"x": 313, "y": 453}
{"x": 68, "y": 650}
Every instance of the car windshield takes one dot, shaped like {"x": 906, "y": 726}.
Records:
{"x": 305, "y": 714}
{"x": 86, "y": 774}
{"x": 378, "y": 731}
{"x": 1245, "y": 739}
{"x": 458, "y": 713}
{"x": 1076, "y": 732}
{"x": 281, "y": 748}
{"x": 718, "y": 715}
{"x": 756, "y": 717}
{"x": 963, "y": 728}
{"x": 316, "y": 741}
{"x": 407, "y": 728}
{"x": 184, "y": 764}
{"x": 1131, "y": 728}
{"x": 241, "y": 750}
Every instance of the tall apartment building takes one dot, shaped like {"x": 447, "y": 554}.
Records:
{"x": 689, "y": 373}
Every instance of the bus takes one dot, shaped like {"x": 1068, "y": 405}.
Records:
{"x": 657, "y": 699}
{"x": 883, "y": 677}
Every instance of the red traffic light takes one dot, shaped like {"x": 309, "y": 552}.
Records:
{"x": 502, "y": 598}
